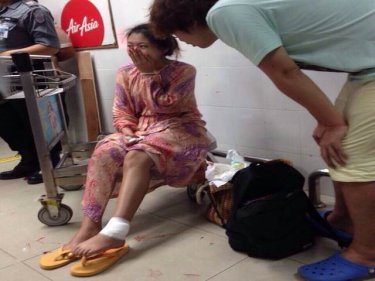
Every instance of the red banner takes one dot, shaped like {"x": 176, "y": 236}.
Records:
{"x": 83, "y": 23}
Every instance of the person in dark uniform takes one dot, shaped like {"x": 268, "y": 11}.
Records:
{"x": 25, "y": 26}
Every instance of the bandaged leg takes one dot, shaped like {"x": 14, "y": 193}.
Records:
{"x": 116, "y": 228}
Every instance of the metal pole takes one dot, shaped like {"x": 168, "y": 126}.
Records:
{"x": 314, "y": 187}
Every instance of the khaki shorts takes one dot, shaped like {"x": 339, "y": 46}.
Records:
{"x": 356, "y": 102}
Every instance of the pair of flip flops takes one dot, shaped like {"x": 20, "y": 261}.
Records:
{"x": 87, "y": 266}
{"x": 336, "y": 268}
{"x": 56, "y": 258}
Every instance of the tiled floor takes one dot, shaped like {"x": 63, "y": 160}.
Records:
{"x": 170, "y": 240}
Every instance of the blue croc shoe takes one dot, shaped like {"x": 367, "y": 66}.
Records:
{"x": 336, "y": 268}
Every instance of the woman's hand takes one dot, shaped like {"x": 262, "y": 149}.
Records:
{"x": 143, "y": 62}
{"x": 127, "y": 132}
{"x": 130, "y": 137}
{"x": 329, "y": 140}
{"x": 133, "y": 139}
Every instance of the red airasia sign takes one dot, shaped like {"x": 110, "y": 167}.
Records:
{"x": 83, "y": 23}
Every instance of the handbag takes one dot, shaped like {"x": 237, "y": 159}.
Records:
{"x": 220, "y": 202}
{"x": 221, "y": 197}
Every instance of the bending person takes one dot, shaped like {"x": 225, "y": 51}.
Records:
{"x": 321, "y": 35}
{"x": 160, "y": 139}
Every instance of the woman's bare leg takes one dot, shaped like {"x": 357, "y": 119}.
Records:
{"x": 99, "y": 187}
{"x": 134, "y": 186}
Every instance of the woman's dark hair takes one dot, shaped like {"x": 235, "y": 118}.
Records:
{"x": 168, "y": 16}
{"x": 167, "y": 44}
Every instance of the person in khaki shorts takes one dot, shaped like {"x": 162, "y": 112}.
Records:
{"x": 334, "y": 35}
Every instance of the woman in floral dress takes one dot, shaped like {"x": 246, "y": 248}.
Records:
{"x": 160, "y": 139}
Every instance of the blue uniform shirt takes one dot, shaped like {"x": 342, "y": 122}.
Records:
{"x": 26, "y": 23}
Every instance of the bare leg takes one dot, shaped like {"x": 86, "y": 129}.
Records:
{"x": 360, "y": 200}
{"x": 100, "y": 180}
{"x": 340, "y": 218}
{"x": 134, "y": 186}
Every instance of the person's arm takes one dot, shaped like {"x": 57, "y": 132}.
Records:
{"x": 123, "y": 110}
{"x": 172, "y": 92}
{"x": 40, "y": 26}
{"x": 66, "y": 53}
{"x": 290, "y": 80}
{"x": 36, "y": 49}
{"x": 66, "y": 50}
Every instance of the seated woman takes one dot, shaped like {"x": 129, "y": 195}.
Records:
{"x": 160, "y": 139}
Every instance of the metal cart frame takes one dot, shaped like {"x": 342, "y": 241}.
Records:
{"x": 70, "y": 172}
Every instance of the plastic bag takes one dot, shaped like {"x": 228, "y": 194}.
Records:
{"x": 236, "y": 161}
{"x": 220, "y": 173}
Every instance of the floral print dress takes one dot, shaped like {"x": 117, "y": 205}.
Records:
{"x": 162, "y": 109}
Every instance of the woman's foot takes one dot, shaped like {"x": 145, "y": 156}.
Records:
{"x": 96, "y": 245}
{"x": 87, "y": 230}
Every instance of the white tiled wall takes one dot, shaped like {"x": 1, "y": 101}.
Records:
{"x": 242, "y": 107}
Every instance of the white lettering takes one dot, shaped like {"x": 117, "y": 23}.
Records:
{"x": 83, "y": 27}
{"x": 88, "y": 26}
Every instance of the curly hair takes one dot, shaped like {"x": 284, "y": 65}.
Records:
{"x": 168, "y": 44}
{"x": 167, "y": 16}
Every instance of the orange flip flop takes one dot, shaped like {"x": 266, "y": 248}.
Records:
{"x": 89, "y": 266}
{"x": 56, "y": 258}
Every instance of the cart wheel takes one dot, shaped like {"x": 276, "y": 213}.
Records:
{"x": 191, "y": 191}
{"x": 65, "y": 214}
{"x": 71, "y": 187}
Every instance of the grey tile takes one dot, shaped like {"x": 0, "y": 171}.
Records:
{"x": 163, "y": 197}
{"x": 20, "y": 272}
{"x": 191, "y": 214}
{"x": 164, "y": 250}
{"x": 260, "y": 270}
{"x": 6, "y": 259}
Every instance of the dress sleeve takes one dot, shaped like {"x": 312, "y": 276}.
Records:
{"x": 173, "y": 89}
{"x": 123, "y": 110}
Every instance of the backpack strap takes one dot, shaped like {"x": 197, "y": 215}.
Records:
{"x": 314, "y": 215}
{"x": 214, "y": 204}
{"x": 202, "y": 189}
{"x": 211, "y": 190}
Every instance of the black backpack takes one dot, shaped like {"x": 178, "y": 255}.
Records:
{"x": 268, "y": 217}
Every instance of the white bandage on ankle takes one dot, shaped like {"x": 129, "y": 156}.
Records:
{"x": 116, "y": 228}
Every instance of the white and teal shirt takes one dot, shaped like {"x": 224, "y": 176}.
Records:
{"x": 333, "y": 34}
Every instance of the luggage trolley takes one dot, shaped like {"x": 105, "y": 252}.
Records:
{"x": 42, "y": 90}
